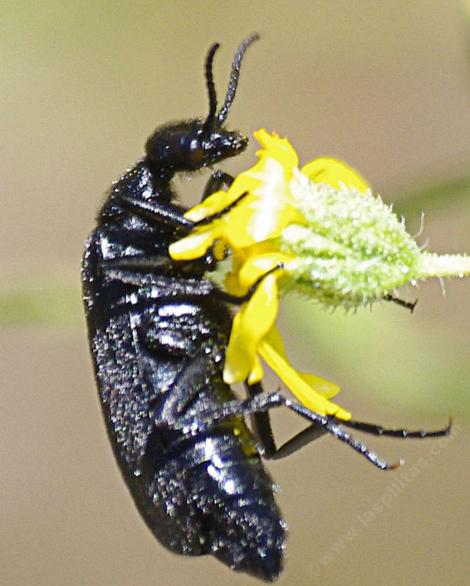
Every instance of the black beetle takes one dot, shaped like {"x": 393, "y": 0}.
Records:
{"x": 158, "y": 331}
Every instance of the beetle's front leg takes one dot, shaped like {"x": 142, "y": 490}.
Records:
{"x": 217, "y": 181}
{"x": 155, "y": 213}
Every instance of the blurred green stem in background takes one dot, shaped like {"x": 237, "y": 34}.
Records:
{"x": 440, "y": 196}
{"x": 393, "y": 362}
{"x": 53, "y": 302}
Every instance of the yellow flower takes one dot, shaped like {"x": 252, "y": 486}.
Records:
{"x": 318, "y": 230}
{"x": 250, "y": 231}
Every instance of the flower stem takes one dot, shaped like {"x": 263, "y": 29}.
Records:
{"x": 445, "y": 265}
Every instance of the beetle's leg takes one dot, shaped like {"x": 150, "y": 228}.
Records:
{"x": 162, "y": 214}
{"x": 261, "y": 424}
{"x": 221, "y": 212}
{"x": 216, "y": 181}
{"x": 311, "y": 433}
{"x": 374, "y": 429}
{"x": 264, "y": 402}
{"x": 185, "y": 390}
{"x": 314, "y": 431}
{"x": 160, "y": 288}
{"x": 406, "y": 304}
{"x": 187, "y": 387}
{"x": 138, "y": 264}
{"x": 150, "y": 264}
{"x": 240, "y": 299}
{"x": 263, "y": 431}
{"x": 154, "y": 212}
{"x": 262, "y": 427}
{"x": 190, "y": 384}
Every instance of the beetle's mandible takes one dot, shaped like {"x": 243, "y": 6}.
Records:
{"x": 158, "y": 330}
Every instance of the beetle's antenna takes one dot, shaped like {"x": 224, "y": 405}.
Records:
{"x": 211, "y": 87}
{"x": 234, "y": 75}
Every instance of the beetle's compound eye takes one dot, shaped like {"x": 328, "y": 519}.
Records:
{"x": 192, "y": 150}
{"x": 196, "y": 152}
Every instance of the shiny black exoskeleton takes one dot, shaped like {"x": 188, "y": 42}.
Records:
{"x": 157, "y": 335}
{"x": 158, "y": 331}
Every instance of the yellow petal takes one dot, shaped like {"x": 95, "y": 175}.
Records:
{"x": 232, "y": 284}
{"x": 257, "y": 214}
{"x": 263, "y": 307}
{"x": 219, "y": 250}
{"x": 249, "y": 326}
{"x": 193, "y": 246}
{"x": 240, "y": 354}
{"x": 258, "y": 265}
{"x": 213, "y": 204}
{"x": 232, "y": 278}
{"x": 274, "y": 339}
{"x": 326, "y": 388}
{"x": 320, "y": 385}
{"x": 262, "y": 214}
{"x": 250, "y": 264}
{"x": 256, "y": 375}
{"x": 276, "y": 147}
{"x": 265, "y": 212}
{"x": 334, "y": 173}
{"x": 304, "y": 393}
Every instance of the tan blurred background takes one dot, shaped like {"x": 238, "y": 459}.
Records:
{"x": 383, "y": 85}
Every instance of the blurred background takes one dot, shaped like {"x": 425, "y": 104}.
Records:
{"x": 382, "y": 85}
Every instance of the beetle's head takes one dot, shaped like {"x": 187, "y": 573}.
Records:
{"x": 190, "y": 145}
{"x": 195, "y": 144}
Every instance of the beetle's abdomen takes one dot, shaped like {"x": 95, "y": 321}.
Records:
{"x": 218, "y": 500}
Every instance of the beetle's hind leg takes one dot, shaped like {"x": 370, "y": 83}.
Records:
{"x": 263, "y": 402}
{"x": 262, "y": 428}
{"x": 374, "y": 429}
{"x": 261, "y": 423}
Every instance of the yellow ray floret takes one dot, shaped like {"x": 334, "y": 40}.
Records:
{"x": 254, "y": 334}
{"x": 311, "y": 390}
{"x": 334, "y": 173}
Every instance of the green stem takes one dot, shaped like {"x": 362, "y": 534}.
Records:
{"x": 445, "y": 265}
